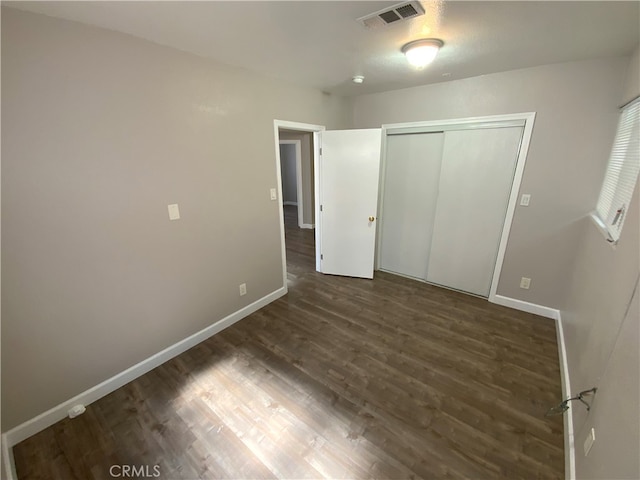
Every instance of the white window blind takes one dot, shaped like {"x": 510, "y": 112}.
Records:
{"x": 622, "y": 172}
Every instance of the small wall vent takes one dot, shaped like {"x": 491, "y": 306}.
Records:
{"x": 397, "y": 13}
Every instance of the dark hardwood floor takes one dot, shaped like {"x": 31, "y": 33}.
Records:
{"x": 341, "y": 378}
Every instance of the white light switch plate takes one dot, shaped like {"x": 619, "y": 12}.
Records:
{"x": 274, "y": 194}
{"x": 525, "y": 199}
{"x": 174, "y": 212}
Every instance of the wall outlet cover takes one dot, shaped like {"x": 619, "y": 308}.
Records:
{"x": 525, "y": 283}
{"x": 174, "y": 211}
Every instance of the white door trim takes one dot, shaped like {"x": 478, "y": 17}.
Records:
{"x": 474, "y": 122}
{"x": 300, "y": 127}
{"x": 529, "y": 118}
{"x": 459, "y": 123}
{"x": 300, "y": 199}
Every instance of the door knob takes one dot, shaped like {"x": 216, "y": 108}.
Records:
{"x": 371, "y": 219}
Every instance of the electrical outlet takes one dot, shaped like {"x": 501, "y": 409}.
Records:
{"x": 525, "y": 283}
{"x": 588, "y": 443}
{"x": 243, "y": 289}
{"x": 174, "y": 211}
{"x": 526, "y": 198}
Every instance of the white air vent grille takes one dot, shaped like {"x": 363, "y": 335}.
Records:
{"x": 401, "y": 11}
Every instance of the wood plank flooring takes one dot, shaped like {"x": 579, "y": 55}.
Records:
{"x": 341, "y": 378}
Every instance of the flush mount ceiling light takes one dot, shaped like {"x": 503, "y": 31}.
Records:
{"x": 358, "y": 79}
{"x": 421, "y": 53}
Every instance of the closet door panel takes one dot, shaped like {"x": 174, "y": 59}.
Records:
{"x": 409, "y": 202}
{"x": 475, "y": 183}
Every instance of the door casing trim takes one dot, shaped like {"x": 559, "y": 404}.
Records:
{"x": 315, "y": 130}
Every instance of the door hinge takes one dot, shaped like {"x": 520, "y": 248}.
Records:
{"x": 321, "y": 257}
{"x": 320, "y": 207}
{"x": 320, "y": 150}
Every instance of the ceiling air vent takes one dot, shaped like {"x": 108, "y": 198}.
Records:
{"x": 401, "y": 11}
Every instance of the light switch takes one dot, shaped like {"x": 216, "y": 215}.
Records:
{"x": 526, "y": 198}
{"x": 274, "y": 194}
{"x": 174, "y": 212}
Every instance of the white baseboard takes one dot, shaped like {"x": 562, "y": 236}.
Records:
{"x": 569, "y": 439}
{"x": 8, "y": 462}
{"x": 48, "y": 418}
{"x": 308, "y": 225}
{"x": 295, "y": 204}
{"x": 526, "y": 306}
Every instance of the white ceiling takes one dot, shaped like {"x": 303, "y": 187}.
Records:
{"x": 320, "y": 44}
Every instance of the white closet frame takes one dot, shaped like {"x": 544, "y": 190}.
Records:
{"x": 525, "y": 120}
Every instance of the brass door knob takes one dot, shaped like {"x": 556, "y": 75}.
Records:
{"x": 371, "y": 219}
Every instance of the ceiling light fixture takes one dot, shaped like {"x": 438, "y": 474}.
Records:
{"x": 421, "y": 53}
{"x": 358, "y": 79}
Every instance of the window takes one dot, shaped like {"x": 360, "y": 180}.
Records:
{"x": 622, "y": 173}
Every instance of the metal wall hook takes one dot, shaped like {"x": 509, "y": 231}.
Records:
{"x": 564, "y": 406}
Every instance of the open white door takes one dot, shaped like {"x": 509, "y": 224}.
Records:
{"x": 349, "y": 173}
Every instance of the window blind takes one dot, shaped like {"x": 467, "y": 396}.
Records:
{"x": 622, "y": 172}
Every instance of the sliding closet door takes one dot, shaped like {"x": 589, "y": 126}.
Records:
{"x": 409, "y": 201}
{"x": 475, "y": 182}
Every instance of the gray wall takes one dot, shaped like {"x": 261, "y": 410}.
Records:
{"x": 600, "y": 322}
{"x": 100, "y": 131}
{"x": 288, "y": 172}
{"x": 308, "y": 196}
{"x": 576, "y": 105}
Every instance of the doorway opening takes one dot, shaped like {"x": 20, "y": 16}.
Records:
{"x": 296, "y": 154}
{"x": 291, "y": 182}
